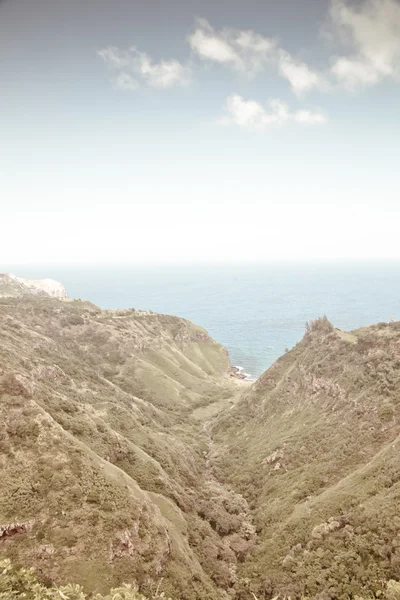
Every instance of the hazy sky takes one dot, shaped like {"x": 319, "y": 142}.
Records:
{"x": 168, "y": 130}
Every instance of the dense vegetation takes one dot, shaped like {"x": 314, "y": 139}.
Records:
{"x": 102, "y": 460}
{"x": 23, "y": 584}
{"x": 314, "y": 447}
{"x": 129, "y": 453}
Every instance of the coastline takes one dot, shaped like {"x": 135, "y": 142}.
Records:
{"x": 239, "y": 373}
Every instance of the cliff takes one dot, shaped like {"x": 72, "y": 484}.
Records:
{"x": 15, "y": 287}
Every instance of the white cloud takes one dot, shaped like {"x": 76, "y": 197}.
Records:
{"x": 164, "y": 74}
{"x": 251, "y": 115}
{"x": 307, "y": 117}
{"x": 115, "y": 58}
{"x": 244, "y": 51}
{"x": 125, "y": 81}
{"x": 352, "y": 72}
{"x": 372, "y": 30}
{"x": 209, "y": 45}
{"x": 300, "y": 76}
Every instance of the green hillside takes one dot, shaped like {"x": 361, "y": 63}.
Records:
{"x": 131, "y": 453}
{"x": 102, "y": 462}
{"x": 314, "y": 447}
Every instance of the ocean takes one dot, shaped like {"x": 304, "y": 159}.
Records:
{"x": 256, "y": 311}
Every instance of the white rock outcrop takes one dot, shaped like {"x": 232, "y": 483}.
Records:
{"x": 11, "y": 285}
{"x": 49, "y": 286}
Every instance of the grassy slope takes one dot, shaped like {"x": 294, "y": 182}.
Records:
{"x": 102, "y": 463}
{"x": 314, "y": 447}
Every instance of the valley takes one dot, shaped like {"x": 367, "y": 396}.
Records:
{"x": 130, "y": 452}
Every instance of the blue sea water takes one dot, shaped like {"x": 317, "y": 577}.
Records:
{"x": 256, "y": 311}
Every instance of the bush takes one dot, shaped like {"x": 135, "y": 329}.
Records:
{"x": 322, "y": 325}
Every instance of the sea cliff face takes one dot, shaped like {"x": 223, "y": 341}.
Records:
{"x": 12, "y": 286}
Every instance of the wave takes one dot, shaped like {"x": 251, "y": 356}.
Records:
{"x": 246, "y": 376}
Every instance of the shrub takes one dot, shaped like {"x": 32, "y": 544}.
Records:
{"x": 322, "y": 325}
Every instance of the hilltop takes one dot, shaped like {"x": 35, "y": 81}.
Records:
{"x": 132, "y": 450}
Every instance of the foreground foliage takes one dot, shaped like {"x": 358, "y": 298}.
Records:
{"x": 22, "y": 584}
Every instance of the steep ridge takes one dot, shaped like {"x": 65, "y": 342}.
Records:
{"x": 314, "y": 447}
{"x": 102, "y": 461}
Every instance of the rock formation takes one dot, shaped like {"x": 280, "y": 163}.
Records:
{"x": 12, "y": 286}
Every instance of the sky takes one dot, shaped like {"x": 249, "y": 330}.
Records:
{"x": 188, "y": 130}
